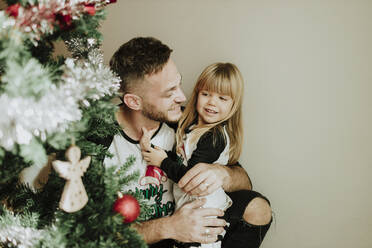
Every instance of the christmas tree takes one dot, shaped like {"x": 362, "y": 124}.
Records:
{"x": 54, "y": 113}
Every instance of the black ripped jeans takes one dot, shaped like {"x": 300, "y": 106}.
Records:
{"x": 239, "y": 234}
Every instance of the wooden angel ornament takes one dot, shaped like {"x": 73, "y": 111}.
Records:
{"x": 74, "y": 196}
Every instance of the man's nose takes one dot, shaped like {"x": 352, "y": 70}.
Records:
{"x": 180, "y": 97}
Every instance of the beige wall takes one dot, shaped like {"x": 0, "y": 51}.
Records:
{"x": 307, "y": 108}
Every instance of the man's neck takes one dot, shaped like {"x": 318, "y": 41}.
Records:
{"x": 132, "y": 121}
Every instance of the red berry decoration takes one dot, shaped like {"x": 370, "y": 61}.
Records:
{"x": 128, "y": 207}
{"x": 12, "y": 10}
{"x": 90, "y": 8}
{"x": 64, "y": 21}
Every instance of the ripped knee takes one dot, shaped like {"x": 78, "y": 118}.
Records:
{"x": 258, "y": 212}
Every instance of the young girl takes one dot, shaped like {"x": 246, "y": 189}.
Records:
{"x": 209, "y": 131}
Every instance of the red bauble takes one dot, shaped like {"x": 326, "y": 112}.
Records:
{"x": 128, "y": 207}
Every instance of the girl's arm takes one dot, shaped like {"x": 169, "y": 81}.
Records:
{"x": 156, "y": 156}
{"x": 167, "y": 161}
{"x": 208, "y": 150}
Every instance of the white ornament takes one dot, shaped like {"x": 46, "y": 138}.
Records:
{"x": 35, "y": 177}
{"x": 74, "y": 196}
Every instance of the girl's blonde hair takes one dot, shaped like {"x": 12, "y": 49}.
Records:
{"x": 225, "y": 79}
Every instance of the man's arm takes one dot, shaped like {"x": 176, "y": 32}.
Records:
{"x": 187, "y": 224}
{"x": 204, "y": 179}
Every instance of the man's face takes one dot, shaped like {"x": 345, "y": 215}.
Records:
{"x": 163, "y": 95}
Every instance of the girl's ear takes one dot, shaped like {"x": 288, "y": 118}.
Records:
{"x": 133, "y": 101}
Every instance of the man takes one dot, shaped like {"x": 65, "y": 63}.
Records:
{"x": 152, "y": 97}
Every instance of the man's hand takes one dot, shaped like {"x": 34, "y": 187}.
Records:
{"x": 191, "y": 223}
{"x": 203, "y": 179}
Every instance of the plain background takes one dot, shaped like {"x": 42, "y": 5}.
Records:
{"x": 307, "y": 101}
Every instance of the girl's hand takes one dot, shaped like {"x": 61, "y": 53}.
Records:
{"x": 153, "y": 156}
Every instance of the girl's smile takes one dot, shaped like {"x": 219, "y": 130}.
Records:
{"x": 212, "y": 107}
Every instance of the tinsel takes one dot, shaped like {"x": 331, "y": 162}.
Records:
{"x": 33, "y": 106}
{"x": 89, "y": 75}
{"x": 40, "y": 19}
{"x": 6, "y": 23}
{"x": 19, "y": 236}
{"x": 23, "y": 118}
{"x": 18, "y": 231}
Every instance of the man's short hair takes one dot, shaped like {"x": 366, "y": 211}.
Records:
{"x": 139, "y": 57}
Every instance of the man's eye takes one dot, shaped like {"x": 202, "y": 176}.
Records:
{"x": 169, "y": 94}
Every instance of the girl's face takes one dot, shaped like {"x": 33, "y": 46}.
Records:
{"x": 212, "y": 107}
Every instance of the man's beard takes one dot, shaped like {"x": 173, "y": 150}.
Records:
{"x": 150, "y": 112}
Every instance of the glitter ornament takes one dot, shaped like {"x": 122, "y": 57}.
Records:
{"x": 128, "y": 207}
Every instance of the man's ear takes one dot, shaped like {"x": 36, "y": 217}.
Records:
{"x": 133, "y": 101}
